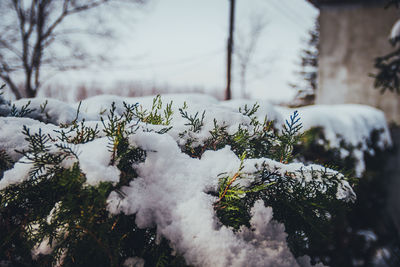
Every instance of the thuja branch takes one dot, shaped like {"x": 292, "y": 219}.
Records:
{"x": 231, "y": 181}
{"x": 228, "y": 186}
{"x": 98, "y": 242}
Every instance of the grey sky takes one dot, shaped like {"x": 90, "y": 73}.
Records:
{"x": 182, "y": 43}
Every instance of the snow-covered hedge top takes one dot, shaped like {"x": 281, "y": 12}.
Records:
{"x": 350, "y": 123}
{"x": 171, "y": 189}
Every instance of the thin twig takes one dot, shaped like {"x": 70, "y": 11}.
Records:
{"x": 228, "y": 185}
{"x": 98, "y": 242}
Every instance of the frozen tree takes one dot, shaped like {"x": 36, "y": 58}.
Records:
{"x": 29, "y": 34}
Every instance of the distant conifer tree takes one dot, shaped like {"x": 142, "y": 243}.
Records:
{"x": 308, "y": 73}
{"x": 388, "y": 66}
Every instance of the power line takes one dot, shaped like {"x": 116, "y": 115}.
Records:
{"x": 285, "y": 14}
{"x": 293, "y": 11}
{"x": 169, "y": 63}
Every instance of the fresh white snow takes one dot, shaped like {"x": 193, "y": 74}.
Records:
{"x": 170, "y": 191}
{"x": 350, "y": 122}
{"x": 395, "y": 32}
{"x": 172, "y": 195}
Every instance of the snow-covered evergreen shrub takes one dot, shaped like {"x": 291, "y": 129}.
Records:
{"x": 367, "y": 229}
{"x": 314, "y": 147}
{"x": 166, "y": 186}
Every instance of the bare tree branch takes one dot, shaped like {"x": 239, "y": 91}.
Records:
{"x": 36, "y": 22}
{"x": 11, "y": 84}
{"x": 246, "y": 46}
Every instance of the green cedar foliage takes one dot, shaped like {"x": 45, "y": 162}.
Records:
{"x": 156, "y": 116}
{"x": 23, "y": 112}
{"x": 313, "y": 147}
{"x": 55, "y": 205}
{"x": 388, "y": 66}
{"x": 308, "y": 72}
{"x": 5, "y": 162}
{"x": 368, "y": 214}
{"x": 395, "y": 3}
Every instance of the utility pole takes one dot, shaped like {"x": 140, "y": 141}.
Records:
{"x": 228, "y": 94}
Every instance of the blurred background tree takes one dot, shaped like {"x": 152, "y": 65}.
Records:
{"x": 32, "y": 37}
{"x": 246, "y": 46}
{"x": 307, "y": 85}
{"x": 388, "y": 66}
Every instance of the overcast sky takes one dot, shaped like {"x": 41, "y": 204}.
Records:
{"x": 182, "y": 43}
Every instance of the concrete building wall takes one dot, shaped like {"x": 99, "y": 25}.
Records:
{"x": 351, "y": 37}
